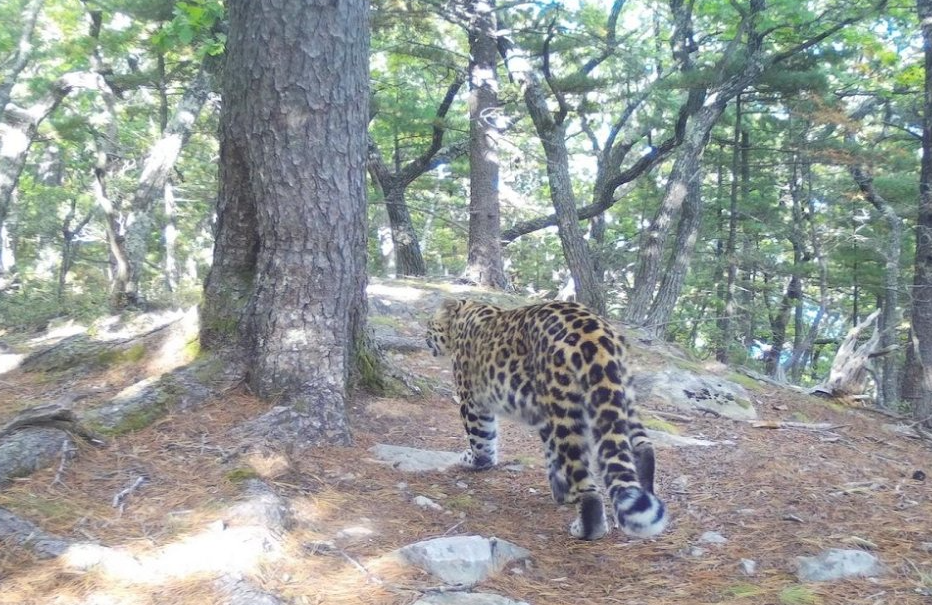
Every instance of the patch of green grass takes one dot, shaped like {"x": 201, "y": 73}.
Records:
{"x": 385, "y": 320}
{"x": 688, "y": 364}
{"x": 460, "y": 502}
{"x": 798, "y": 595}
{"x": 241, "y": 474}
{"x": 658, "y": 424}
{"x": 743, "y": 380}
{"x": 742, "y": 590}
{"x": 112, "y": 357}
{"x": 192, "y": 348}
{"x": 38, "y": 506}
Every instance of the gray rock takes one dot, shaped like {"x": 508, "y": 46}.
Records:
{"x": 355, "y": 532}
{"x": 835, "y": 563}
{"x": 687, "y": 390}
{"x": 669, "y": 439}
{"x": 466, "y": 598}
{"x": 712, "y": 537}
{"x": 425, "y": 502}
{"x": 464, "y": 560}
{"x": 29, "y": 449}
{"x": 414, "y": 460}
{"x": 23, "y": 533}
{"x": 749, "y": 567}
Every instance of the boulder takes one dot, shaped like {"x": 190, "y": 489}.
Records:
{"x": 688, "y": 391}
{"x": 835, "y": 564}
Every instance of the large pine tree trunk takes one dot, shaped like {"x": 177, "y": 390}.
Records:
{"x": 484, "y": 263}
{"x": 285, "y": 296}
{"x": 917, "y": 379}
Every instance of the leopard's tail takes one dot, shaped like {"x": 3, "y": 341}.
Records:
{"x": 639, "y": 513}
{"x": 626, "y": 457}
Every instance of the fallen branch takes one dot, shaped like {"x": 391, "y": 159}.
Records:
{"x": 66, "y": 452}
{"x": 120, "y": 497}
{"x": 709, "y": 411}
{"x": 808, "y": 426}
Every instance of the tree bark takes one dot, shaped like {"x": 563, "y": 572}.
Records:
{"x": 917, "y": 379}
{"x": 552, "y": 134}
{"x": 484, "y": 264}
{"x": 739, "y": 160}
{"x": 285, "y": 295}
{"x": 672, "y": 283}
{"x": 18, "y": 129}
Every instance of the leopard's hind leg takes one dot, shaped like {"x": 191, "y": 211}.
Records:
{"x": 559, "y": 485}
{"x": 571, "y": 463}
{"x": 637, "y": 510}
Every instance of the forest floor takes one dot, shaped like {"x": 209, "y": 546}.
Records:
{"x": 773, "y": 494}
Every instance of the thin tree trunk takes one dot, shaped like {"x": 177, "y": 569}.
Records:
{"x": 672, "y": 283}
{"x": 393, "y": 183}
{"x": 15, "y": 64}
{"x": 739, "y": 162}
{"x": 170, "y": 239}
{"x": 685, "y": 170}
{"x": 484, "y": 263}
{"x": 18, "y": 129}
{"x": 155, "y": 174}
{"x": 552, "y": 136}
{"x": 917, "y": 379}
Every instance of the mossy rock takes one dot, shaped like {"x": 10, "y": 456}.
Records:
{"x": 659, "y": 424}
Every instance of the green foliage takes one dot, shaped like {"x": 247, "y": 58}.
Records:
{"x": 798, "y": 595}
{"x": 193, "y": 24}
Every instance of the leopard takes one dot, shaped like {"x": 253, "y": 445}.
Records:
{"x": 562, "y": 369}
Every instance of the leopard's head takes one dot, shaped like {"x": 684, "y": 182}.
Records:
{"x": 438, "y": 328}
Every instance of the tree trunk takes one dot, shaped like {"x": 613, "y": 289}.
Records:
{"x": 408, "y": 257}
{"x": 484, "y": 263}
{"x": 917, "y": 379}
{"x": 850, "y": 370}
{"x": 685, "y": 169}
{"x": 393, "y": 183}
{"x": 285, "y": 295}
{"x": 18, "y": 129}
{"x": 891, "y": 280}
{"x": 154, "y": 177}
{"x": 672, "y": 283}
{"x": 552, "y": 136}
{"x": 15, "y": 64}
{"x": 739, "y": 160}
{"x": 794, "y": 289}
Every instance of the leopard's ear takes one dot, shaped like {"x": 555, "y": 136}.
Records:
{"x": 447, "y": 307}
{"x": 450, "y": 304}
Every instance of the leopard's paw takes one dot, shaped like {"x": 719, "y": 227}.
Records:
{"x": 590, "y": 523}
{"x": 477, "y": 463}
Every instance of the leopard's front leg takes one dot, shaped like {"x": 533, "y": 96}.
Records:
{"x": 482, "y": 432}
